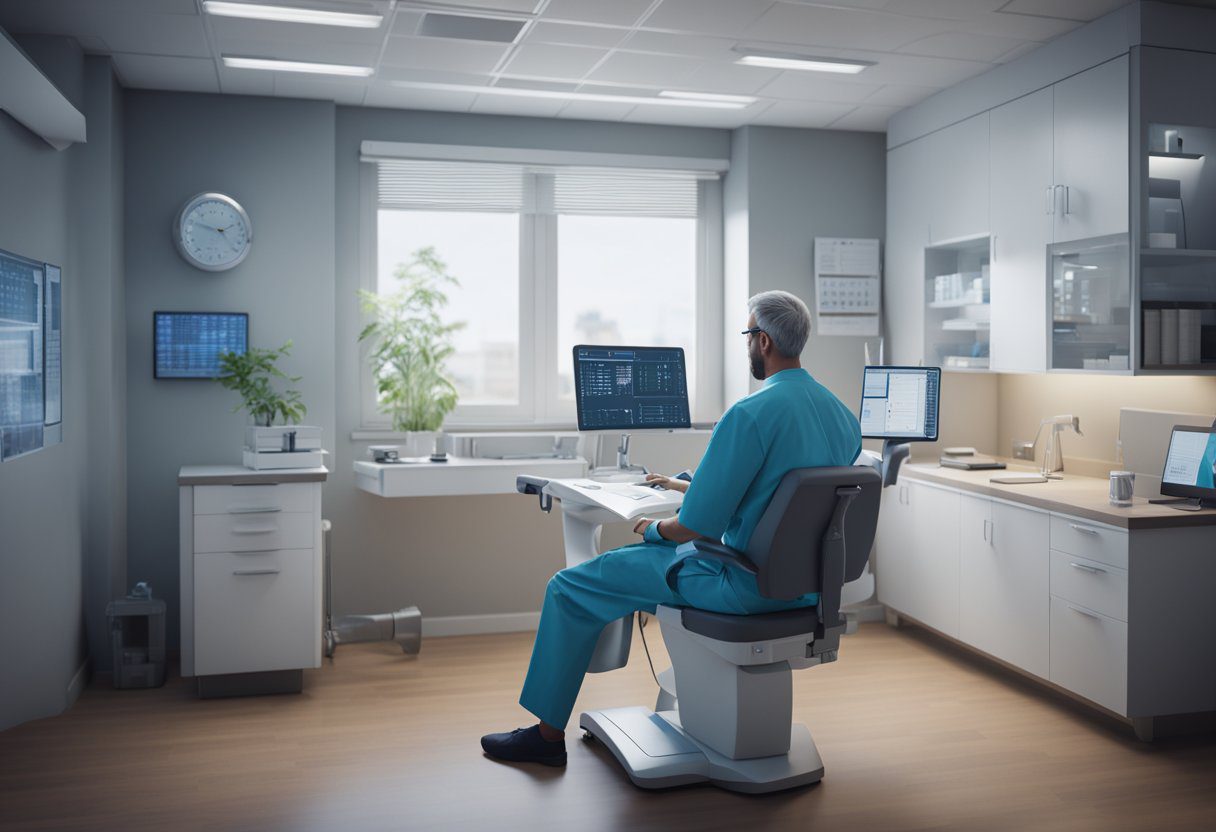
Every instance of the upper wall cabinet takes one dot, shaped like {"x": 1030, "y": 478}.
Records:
{"x": 958, "y": 180}
{"x": 1091, "y": 162}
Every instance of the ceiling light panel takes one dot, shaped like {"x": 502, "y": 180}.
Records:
{"x": 468, "y": 27}
{"x": 271, "y": 64}
{"x": 807, "y": 63}
{"x": 292, "y": 14}
{"x": 607, "y": 98}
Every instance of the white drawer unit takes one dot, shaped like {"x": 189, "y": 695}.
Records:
{"x": 1089, "y": 654}
{"x": 1089, "y": 583}
{"x": 248, "y": 613}
{"x": 253, "y": 532}
{"x": 1095, "y": 541}
{"x": 251, "y": 579}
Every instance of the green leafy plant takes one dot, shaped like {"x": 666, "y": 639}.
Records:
{"x": 410, "y": 343}
{"x": 251, "y": 374}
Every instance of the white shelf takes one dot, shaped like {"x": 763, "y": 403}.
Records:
{"x": 956, "y": 304}
{"x": 459, "y": 476}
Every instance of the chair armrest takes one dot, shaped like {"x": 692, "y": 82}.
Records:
{"x": 707, "y": 549}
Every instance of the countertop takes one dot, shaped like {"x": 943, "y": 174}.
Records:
{"x": 1084, "y": 497}
{"x": 239, "y": 474}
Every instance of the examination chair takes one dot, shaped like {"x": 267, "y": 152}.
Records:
{"x": 725, "y": 708}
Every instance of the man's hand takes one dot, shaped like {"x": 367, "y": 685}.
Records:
{"x": 668, "y": 482}
{"x": 640, "y": 526}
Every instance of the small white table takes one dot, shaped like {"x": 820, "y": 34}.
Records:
{"x": 459, "y": 476}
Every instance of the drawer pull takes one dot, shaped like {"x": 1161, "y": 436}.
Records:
{"x": 1083, "y": 529}
{"x": 255, "y": 571}
{"x": 1085, "y": 613}
{"x": 254, "y": 510}
{"x": 1093, "y": 570}
{"x": 256, "y": 530}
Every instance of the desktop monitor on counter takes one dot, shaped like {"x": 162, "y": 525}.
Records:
{"x": 630, "y": 388}
{"x": 1190, "y": 465}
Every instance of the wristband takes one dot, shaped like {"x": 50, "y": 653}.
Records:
{"x": 652, "y": 535}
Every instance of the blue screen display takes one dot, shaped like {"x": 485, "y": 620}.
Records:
{"x": 189, "y": 344}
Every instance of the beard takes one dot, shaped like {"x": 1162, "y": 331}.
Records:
{"x": 757, "y": 363}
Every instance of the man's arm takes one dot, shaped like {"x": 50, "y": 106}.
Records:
{"x": 668, "y": 529}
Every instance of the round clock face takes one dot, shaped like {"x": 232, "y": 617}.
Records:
{"x": 212, "y": 232}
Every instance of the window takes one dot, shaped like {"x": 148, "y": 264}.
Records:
{"x": 546, "y": 257}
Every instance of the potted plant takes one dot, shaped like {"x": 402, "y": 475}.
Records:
{"x": 252, "y": 375}
{"x": 409, "y": 345}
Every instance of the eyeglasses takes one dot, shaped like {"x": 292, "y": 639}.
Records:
{"x": 752, "y": 331}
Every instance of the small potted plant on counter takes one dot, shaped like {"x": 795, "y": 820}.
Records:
{"x": 409, "y": 344}
{"x": 252, "y": 374}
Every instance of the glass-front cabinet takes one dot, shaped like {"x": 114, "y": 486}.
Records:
{"x": 1091, "y": 304}
{"x": 957, "y": 304}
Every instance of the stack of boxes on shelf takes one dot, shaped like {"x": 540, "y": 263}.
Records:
{"x": 1172, "y": 337}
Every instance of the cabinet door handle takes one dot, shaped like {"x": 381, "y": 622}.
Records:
{"x": 253, "y": 509}
{"x": 1067, "y": 209}
{"x": 1051, "y": 200}
{"x": 1084, "y": 529}
{"x": 987, "y": 533}
{"x": 1085, "y": 613}
{"x": 1093, "y": 570}
{"x": 256, "y": 530}
{"x": 243, "y": 572}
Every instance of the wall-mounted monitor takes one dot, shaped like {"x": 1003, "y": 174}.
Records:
{"x": 630, "y": 388}
{"x": 189, "y": 344}
{"x": 31, "y": 355}
{"x": 900, "y": 403}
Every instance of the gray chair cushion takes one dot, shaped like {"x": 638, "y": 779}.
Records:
{"x": 760, "y": 627}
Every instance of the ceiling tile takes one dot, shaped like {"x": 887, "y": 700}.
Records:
{"x": 446, "y": 55}
{"x": 328, "y": 52}
{"x": 730, "y": 79}
{"x": 1024, "y": 48}
{"x": 244, "y": 82}
{"x": 613, "y": 12}
{"x": 157, "y": 72}
{"x": 947, "y": 9}
{"x": 963, "y": 45}
{"x": 650, "y": 114}
{"x": 595, "y": 111}
{"x": 1063, "y": 9}
{"x": 802, "y": 114}
{"x": 339, "y": 90}
{"x": 234, "y": 28}
{"x": 814, "y": 86}
{"x": 841, "y": 28}
{"x": 532, "y": 107}
{"x": 406, "y": 22}
{"x": 660, "y": 71}
{"x": 573, "y": 34}
{"x": 1020, "y": 26}
{"x": 383, "y": 95}
{"x": 709, "y": 17}
{"x": 865, "y": 117}
{"x": 429, "y": 76}
{"x": 900, "y": 95}
{"x": 668, "y": 43}
{"x": 543, "y": 60}
{"x": 516, "y": 6}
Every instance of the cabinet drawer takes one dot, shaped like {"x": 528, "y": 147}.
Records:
{"x": 254, "y": 532}
{"x": 1089, "y": 540}
{"x": 254, "y": 499}
{"x": 1089, "y": 583}
{"x": 255, "y": 612}
{"x": 1089, "y": 654}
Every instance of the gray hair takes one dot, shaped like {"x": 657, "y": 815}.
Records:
{"x": 784, "y": 318}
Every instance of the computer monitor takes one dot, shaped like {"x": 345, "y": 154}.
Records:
{"x": 189, "y": 344}
{"x": 630, "y": 388}
{"x": 1190, "y": 464}
{"x": 900, "y": 403}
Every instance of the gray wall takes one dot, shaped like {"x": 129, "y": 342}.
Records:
{"x": 58, "y": 528}
{"x": 274, "y": 156}
{"x": 801, "y": 184}
{"x": 466, "y": 556}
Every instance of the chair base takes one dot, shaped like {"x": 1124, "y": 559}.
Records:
{"x": 657, "y": 753}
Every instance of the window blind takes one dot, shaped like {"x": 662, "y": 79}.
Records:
{"x": 625, "y": 193}
{"x": 468, "y": 186}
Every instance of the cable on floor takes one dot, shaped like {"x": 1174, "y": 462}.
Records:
{"x": 642, "y": 619}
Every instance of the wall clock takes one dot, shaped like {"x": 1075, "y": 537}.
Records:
{"x": 212, "y": 232}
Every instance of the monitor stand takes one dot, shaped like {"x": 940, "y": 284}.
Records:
{"x": 623, "y": 471}
{"x": 1185, "y": 503}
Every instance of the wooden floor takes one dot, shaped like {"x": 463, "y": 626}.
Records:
{"x": 914, "y": 733}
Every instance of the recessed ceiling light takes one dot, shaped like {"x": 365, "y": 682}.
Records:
{"x": 296, "y": 66}
{"x": 470, "y": 27}
{"x": 786, "y": 60}
{"x": 608, "y": 98}
{"x": 743, "y": 100}
{"x": 288, "y": 14}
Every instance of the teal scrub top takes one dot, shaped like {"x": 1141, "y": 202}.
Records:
{"x": 1207, "y": 466}
{"x": 791, "y": 422}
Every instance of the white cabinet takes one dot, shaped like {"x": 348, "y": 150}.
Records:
{"x": 895, "y": 567}
{"x": 250, "y": 574}
{"x": 935, "y": 542}
{"x": 1091, "y": 161}
{"x": 908, "y": 181}
{"x": 1089, "y": 654}
{"x": 1003, "y": 588}
{"x": 958, "y": 168}
{"x": 1021, "y": 183}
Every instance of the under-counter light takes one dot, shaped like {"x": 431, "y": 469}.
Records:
{"x": 787, "y": 60}
{"x": 290, "y": 14}
{"x": 560, "y": 95}
{"x": 274, "y": 65}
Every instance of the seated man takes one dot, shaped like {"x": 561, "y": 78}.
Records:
{"x": 791, "y": 422}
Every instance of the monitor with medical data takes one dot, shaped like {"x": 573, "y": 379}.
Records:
{"x": 1190, "y": 464}
{"x": 900, "y": 403}
{"x": 630, "y": 388}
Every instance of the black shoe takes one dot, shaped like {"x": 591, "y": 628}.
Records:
{"x": 525, "y": 745}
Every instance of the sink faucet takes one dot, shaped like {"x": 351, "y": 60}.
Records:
{"x": 1053, "y": 454}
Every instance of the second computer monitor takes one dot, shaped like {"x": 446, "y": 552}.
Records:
{"x": 630, "y": 388}
{"x": 900, "y": 403}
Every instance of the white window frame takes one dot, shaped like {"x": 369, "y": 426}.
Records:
{"x": 539, "y": 406}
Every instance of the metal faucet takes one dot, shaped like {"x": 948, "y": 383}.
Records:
{"x": 1053, "y": 454}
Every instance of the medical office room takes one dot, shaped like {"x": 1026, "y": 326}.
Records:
{"x": 607, "y": 414}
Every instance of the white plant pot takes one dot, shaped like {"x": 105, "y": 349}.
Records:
{"x": 418, "y": 442}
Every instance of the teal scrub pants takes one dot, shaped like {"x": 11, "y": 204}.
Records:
{"x": 582, "y": 600}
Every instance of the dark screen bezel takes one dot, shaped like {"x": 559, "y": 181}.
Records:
{"x": 937, "y": 422}
{"x": 1173, "y": 489}
{"x": 578, "y": 402}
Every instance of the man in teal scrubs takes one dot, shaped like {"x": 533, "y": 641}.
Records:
{"x": 791, "y": 422}
{"x": 1207, "y": 466}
